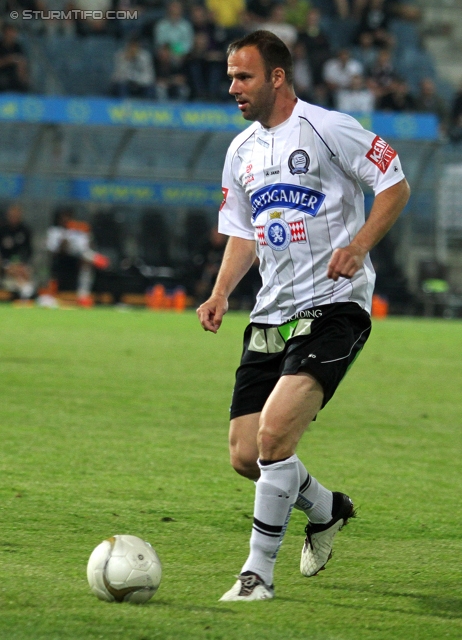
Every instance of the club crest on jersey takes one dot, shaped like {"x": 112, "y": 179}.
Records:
{"x": 286, "y": 196}
{"x": 277, "y": 234}
{"x": 299, "y": 161}
{"x": 274, "y": 237}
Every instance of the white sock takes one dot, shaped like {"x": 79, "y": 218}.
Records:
{"x": 275, "y": 494}
{"x": 314, "y": 499}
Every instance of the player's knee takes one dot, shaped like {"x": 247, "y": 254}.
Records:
{"x": 245, "y": 465}
{"x": 272, "y": 444}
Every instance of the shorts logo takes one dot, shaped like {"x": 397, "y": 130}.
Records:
{"x": 296, "y": 229}
{"x": 381, "y": 154}
{"x": 299, "y": 161}
{"x": 224, "y": 191}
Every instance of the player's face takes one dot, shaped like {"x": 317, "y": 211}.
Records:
{"x": 255, "y": 94}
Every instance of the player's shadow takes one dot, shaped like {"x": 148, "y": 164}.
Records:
{"x": 432, "y": 605}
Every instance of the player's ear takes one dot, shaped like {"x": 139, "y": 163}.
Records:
{"x": 278, "y": 77}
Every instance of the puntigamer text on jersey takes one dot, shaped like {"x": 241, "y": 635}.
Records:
{"x": 289, "y": 196}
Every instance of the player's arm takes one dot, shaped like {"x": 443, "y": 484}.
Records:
{"x": 238, "y": 258}
{"x": 386, "y": 208}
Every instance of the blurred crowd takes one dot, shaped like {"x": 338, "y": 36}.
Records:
{"x": 176, "y": 50}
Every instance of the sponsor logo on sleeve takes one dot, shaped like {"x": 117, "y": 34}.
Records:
{"x": 381, "y": 154}
{"x": 286, "y": 196}
{"x": 224, "y": 191}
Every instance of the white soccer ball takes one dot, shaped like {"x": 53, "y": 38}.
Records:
{"x": 124, "y": 569}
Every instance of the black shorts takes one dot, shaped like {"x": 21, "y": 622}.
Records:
{"x": 323, "y": 341}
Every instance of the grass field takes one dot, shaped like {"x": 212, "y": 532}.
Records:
{"x": 116, "y": 422}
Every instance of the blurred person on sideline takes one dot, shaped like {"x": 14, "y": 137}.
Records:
{"x": 208, "y": 260}
{"x": 16, "y": 254}
{"x": 14, "y": 73}
{"x": 72, "y": 258}
{"x": 292, "y": 196}
{"x": 134, "y": 74}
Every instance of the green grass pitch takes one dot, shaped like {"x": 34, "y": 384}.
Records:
{"x": 117, "y": 422}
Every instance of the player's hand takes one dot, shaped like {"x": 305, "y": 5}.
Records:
{"x": 345, "y": 262}
{"x": 211, "y": 312}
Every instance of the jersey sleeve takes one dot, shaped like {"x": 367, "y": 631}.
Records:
{"x": 360, "y": 153}
{"x": 235, "y": 214}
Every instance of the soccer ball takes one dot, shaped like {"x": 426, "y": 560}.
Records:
{"x": 124, "y": 569}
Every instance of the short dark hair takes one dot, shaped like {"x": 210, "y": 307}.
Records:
{"x": 273, "y": 51}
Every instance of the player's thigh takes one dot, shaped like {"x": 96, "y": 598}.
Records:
{"x": 243, "y": 447}
{"x": 292, "y": 405}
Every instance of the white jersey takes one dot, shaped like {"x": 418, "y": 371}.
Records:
{"x": 294, "y": 189}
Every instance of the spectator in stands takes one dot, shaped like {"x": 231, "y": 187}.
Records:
{"x": 356, "y": 98}
{"x": 335, "y": 8}
{"x": 149, "y": 11}
{"x": 429, "y": 101}
{"x": 383, "y": 73}
{"x": 339, "y": 71}
{"x": 374, "y": 18}
{"x": 303, "y": 78}
{"x": 93, "y": 26}
{"x": 259, "y": 11}
{"x": 14, "y": 74}
{"x": 316, "y": 43}
{"x": 175, "y": 32}
{"x": 455, "y": 130}
{"x": 229, "y": 16}
{"x": 133, "y": 72}
{"x": 365, "y": 51}
{"x": 278, "y": 25}
{"x": 296, "y": 12}
{"x": 171, "y": 75}
{"x": 205, "y": 63}
{"x": 55, "y": 26}
{"x": 398, "y": 98}
{"x": 16, "y": 254}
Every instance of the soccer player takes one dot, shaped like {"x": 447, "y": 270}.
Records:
{"x": 292, "y": 195}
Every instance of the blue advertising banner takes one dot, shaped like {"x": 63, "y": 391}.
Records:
{"x": 120, "y": 191}
{"x": 187, "y": 116}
